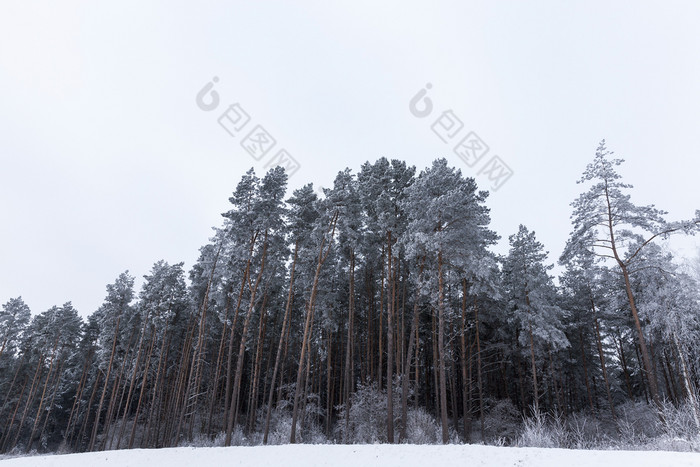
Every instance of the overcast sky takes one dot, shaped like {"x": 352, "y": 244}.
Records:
{"x": 107, "y": 163}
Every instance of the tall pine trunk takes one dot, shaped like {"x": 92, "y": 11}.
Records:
{"x": 441, "y": 350}
{"x": 307, "y": 325}
{"x": 233, "y": 405}
{"x": 91, "y": 447}
{"x": 651, "y": 377}
{"x": 479, "y": 379}
{"x": 412, "y": 342}
{"x": 390, "y": 346}
{"x": 349, "y": 346}
{"x": 280, "y": 344}
{"x": 601, "y": 354}
{"x": 535, "y": 390}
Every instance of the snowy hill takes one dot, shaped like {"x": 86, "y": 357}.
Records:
{"x": 361, "y": 455}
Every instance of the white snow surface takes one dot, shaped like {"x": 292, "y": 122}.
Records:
{"x": 361, "y": 455}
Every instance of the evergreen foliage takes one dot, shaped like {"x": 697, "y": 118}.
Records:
{"x": 376, "y": 312}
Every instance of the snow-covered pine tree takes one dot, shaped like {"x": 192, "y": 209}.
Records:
{"x": 117, "y": 304}
{"x": 532, "y": 301}
{"x": 584, "y": 298}
{"x": 606, "y": 223}
{"x": 302, "y": 215}
{"x": 447, "y": 222}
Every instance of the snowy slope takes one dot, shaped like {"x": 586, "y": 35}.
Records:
{"x": 361, "y": 455}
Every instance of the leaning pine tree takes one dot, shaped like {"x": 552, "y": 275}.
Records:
{"x": 606, "y": 223}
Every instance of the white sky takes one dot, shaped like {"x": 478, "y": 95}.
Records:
{"x": 107, "y": 163}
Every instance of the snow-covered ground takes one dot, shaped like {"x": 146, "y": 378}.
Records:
{"x": 361, "y": 455}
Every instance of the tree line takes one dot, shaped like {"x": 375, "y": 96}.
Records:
{"x": 301, "y": 306}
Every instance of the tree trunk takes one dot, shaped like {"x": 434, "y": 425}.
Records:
{"x": 192, "y": 392}
{"x": 118, "y": 405}
{"x": 380, "y": 355}
{"x": 329, "y": 382}
{"x": 229, "y": 360}
{"x": 585, "y": 371}
{"x": 215, "y": 384}
{"x": 8, "y": 427}
{"x": 49, "y": 407}
{"x": 466, "y": 383}
{"x": 349, "y": 347}
{"x": 143, "y": 388}
{"x": 233, "y": 406}
{"x": 623, "y": 360}
{"x": 534, "y": 373}
{"x": 651, "y": 377}
{"x": 532, "y": 359}
{"x": 91, "y": 447}
{"x": 441, "y": 351}
{"x": 253, "y": 405}
{"x": 599, "y": 343}
{"x": 133, "y": 380}
{"x": 307, "y": 326}
{"x": 162, "y": 359}
{"x": 390, "y": 346}
{"x": 283, "y": 333}
{"x": 88, "y": 408}
{"x": 479, "y": 377}
{"x": 688, "y": 383}
{"x": 412, "y": 342}
{"x": 78, "y": 394}
{"x": 30, "y": 440}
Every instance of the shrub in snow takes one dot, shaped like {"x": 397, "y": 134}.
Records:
{"x": 309, "y": 431}
{"x": 637, "y": 423}
{"x": 367, "y": 423}
{"x": 587, "y": 432}
{"x": 205, "y": 441}
{"x": 540, "y": 432}
{"x": 638, "y": 427}
{"x": 280, "y": 423}
{"x": 641, "y": 428}
{"x": 422, "y": 428}
{"x": 679, "y": 422}
{"x": 502, "y": 422}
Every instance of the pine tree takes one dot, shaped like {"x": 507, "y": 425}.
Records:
{"x": 606, "y": 223}
{"x": 263, "y": 226}
{"x": 323, "y": 235}
{"x": 447, "y": 222}
{"x": 583, "y": 283}
{"x": 14, "y": 317}
{"x": 321, "y": 309}
{"x": 670, "y": 301}
{"x": 52, "y": 335}
{"x": 117, "y": 304}
{"x": 531, "y": 300}
{"x": 383, "y": 190}
{"x": 302, "y": 216}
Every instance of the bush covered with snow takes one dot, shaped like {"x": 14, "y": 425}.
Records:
{"x": 638, "y": 427}
{"x": 502, "y": 422}
{"x": 367, "y": 418}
